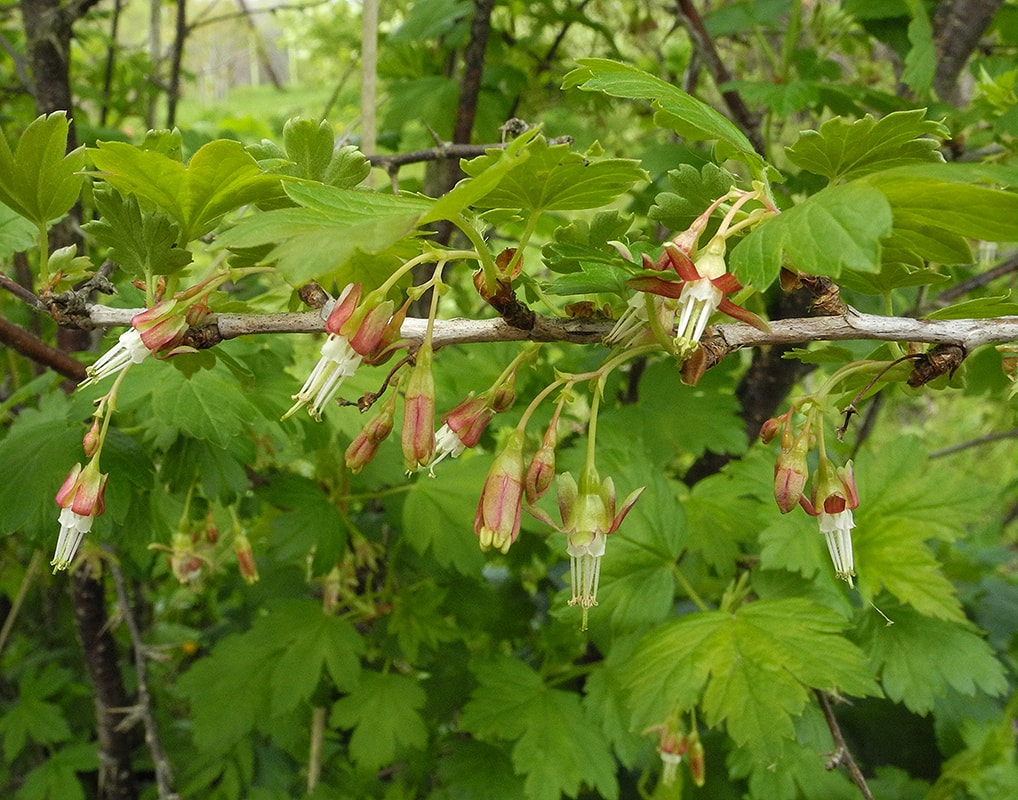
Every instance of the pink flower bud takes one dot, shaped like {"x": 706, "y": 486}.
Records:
{"x": 364, "y": 446}
{"x": 542, "y": 466}
{"x": 345, "y": 305}
{"x": 697, "y": 759}
{"x": 419, "y": 413}
{"x": 90, "y": 443}
{"x": 497, "y": 521}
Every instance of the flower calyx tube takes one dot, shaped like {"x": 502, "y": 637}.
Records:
{"x": 365, "y": 444}
{"x": 497, "y": 521}
{"x": 418, "y": 436}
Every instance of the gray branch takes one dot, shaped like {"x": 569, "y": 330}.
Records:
{"x": 969, "y": 333}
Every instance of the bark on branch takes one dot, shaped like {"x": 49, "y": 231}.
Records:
{"x": 968, "y": 333}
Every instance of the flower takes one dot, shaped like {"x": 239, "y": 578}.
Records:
{"x": 162, "y": 326}
{"x": 357, "y": 332}
{"x": 129, "y": 349}
{"x": 588, "y": 518}
{"x": 790, "y": 469}
{"x": 497, "y": 521}
{"x": 833, "y": 498}
{"x": 245, "y": 558}
{"x": 702, "y": 289}
{"x": 81, "y": 500}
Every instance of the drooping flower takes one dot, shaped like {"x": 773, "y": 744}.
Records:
{"x": 589, "y": 516}
{"x": 701, "y": 290}
{"x": 245, "y": 558}
{"x": 461, "y": 428}
{"x": 81, "y": 500}
{"x": 833, "y": 497}
{"x": 497, "y": 521}
{"x": 357, "y": 332}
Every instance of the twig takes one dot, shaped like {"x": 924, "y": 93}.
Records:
{"x": 744, "y": 118}
{"x": 34, "y": 348}
{"x": 842, "y": 756}
{"x": 21, "y": 292}
{"x": 19, "y": 598}
{"x": 163, "y": 769}
{"x": 977, "y": 442}
{"x": 318, "y": 719}
{"x": 442, "y": 151}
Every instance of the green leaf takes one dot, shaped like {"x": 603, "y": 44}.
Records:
{"x": 927, "y": 199}
{"x": 417, "y": 620}
{"x": 311, "y": 148}
{"x": 383, "y": 710}
{"x": 40, "y": 180}
{"x": 144, "y": 243}
{"x": 330, "y": 228}
{"x": 16, "y": 232}
{"x": 692, "y": 192}
{"x": 751, "y": 669}
{"x": 32, "y": 717}
{"x": 554, "y": 179}
{"x": 36, "y": 453}
{"x": 978, "y": 308}
{"x": 921, "y": 61}
{"x": 838, "y": 228}
{"x": 676, "y": 109}
{"x": 891, "y": 276}
{"x": 489, "y": 171}
{"x": 470, "y": 769}
{"x": 556, "y": 747}
{"x": 437, "y": 515}
{"x": 274, "y": 666}
{"x": 920, "y": 658}
{"x": 844, "y": 149}
{"x": 219, "y": 178}
{"x": 593, "y": 278}
{"x": 56, "y": 778}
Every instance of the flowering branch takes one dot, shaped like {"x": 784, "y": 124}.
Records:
{"x": 727, "y": 337}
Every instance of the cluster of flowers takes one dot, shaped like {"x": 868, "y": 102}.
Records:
{"x": 673, "y": 745}
{"x": 832, "y": 495}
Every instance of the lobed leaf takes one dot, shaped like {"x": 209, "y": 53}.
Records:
{"x": 843, "y": 150}
{"x": 838, "y": 228}
{"x": 40, "y": 180}
{"x": 750, "y": 669}
{"x": 677, "y": 110}
{"x": 556, "y": 747}
{"x": 552, "y": 178}
{"x": 383, "y": 710}
{"x": 220, "y": 177}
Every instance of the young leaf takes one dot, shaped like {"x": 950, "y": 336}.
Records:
{"x": 312, "y": 148}
{"x": 491, "y": 169}
{"x": 141, "y": 243}
{"x": 16, "y": 232}
{"x": 384, "y": 712}
{"x": 555, "y": 179}
{"x": 751, "y": 669}
{"x": 919, "y": 658}
{"x": 838, "y": 228}
{"x": 556, "y": 746}
{"x": 843, "y": 150}
{"x": 219, "y": 178}
{"x": 677, "y": 110}
{"x": 40, "y": 180}
{"x": 692, "y": 191}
